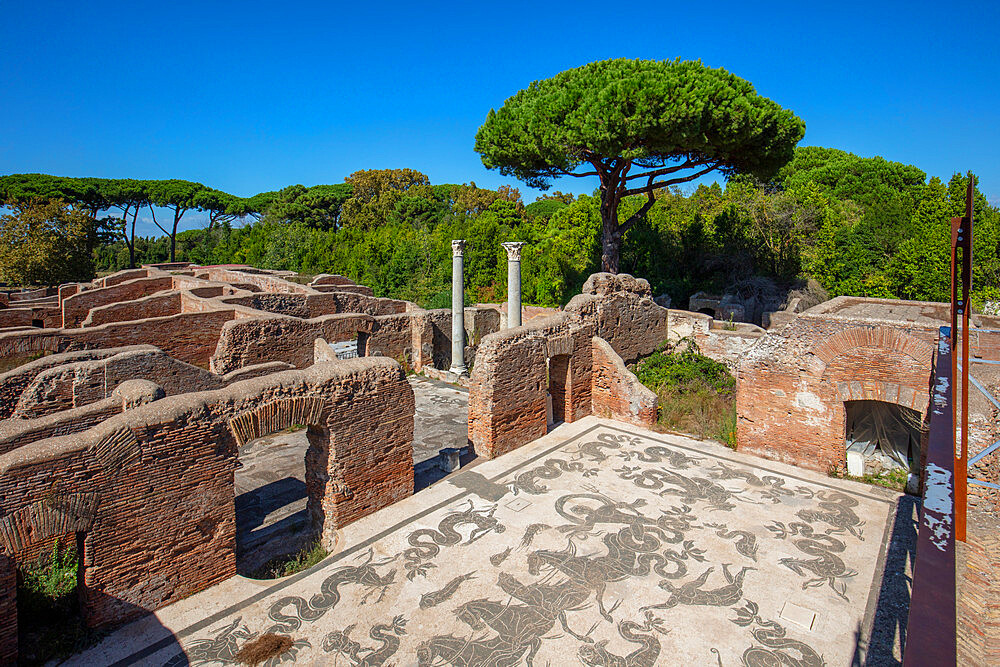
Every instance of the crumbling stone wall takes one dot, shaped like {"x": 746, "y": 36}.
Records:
{"x": 190, "y": 337}
{"x": 120, "y": 277}
{"x": 293, "y": 305}
{"x": 248, "y": 341}
{"x": 155, "y": 305}
{"x": 16, "y": 433}
{"x": 75, "y": 308}
{"x": 77, "y": 383}
{"x": 791, "y": 387}
{"x": 152, "y": 488}
{"x": 8, "y": 611}
{"x": 623, "y": 312}
{"x": 510, "y": 380}
{"x": 616, "y": 392}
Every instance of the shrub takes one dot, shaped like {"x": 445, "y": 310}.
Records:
{"x": 696, "y": 394}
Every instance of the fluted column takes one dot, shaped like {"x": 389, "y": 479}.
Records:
{"x": 513, "y": 282}
{"x": 457, "y": 309}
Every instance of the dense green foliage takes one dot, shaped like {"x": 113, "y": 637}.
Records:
{"x": 696, "y": 394}
{"x": 861, "y": 226}
{"x": 46, "y": 242}
{"x": 638, "y": 125}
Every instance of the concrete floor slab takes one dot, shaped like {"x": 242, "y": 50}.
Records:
{"x": 599, "y": 544}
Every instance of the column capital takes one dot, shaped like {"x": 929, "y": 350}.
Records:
{"x": 513, "y": 249}
{"x": 457, "y": 247}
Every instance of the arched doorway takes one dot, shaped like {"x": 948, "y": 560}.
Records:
{"x": 880, "y": 437}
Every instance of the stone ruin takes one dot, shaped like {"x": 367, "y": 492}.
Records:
{"x": 123, "y": 434}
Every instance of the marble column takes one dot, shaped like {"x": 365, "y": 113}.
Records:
{"x": 513, "y": 282}
{"x": 457, "y": 309}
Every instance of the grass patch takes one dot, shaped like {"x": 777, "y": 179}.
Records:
{"x": 49, "y": 622}
{"x": 893, "y": 478}
{"x": 285, "y": 566}
{"x": 697, "y": 395}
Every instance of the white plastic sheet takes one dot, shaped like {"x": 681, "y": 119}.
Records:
{"x": 884, "y": 431}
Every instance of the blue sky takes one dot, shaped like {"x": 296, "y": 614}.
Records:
{"x": 253, "y": 96}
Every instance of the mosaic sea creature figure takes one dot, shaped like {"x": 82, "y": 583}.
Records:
{"x": 434, "y": 598}
{"x": 836, "y": 512}
{"x": 308, "y": 611}
{"x": 597, "y": 655}
{"x": 689, "y": 489}
{"x": 463, "y": 652}
{"x": 552, "y": 468}
{"x": 340, "y": 643}
{"x": 592, "y": 450}
{"x": 746, "y": 542}
{"x": 692, "y": 593}
{"x": 828, "y": 567}
{"x": 498, "y": 558}
{"x": 223, "y": 647}
{"x": 530, "y": 533}
{"x": 553, "y": 600}
{"x": 586, "y": 511}
{"x": 426, "y": 543}
{"x": 777, "y": 650}
{"x": 629, "y": 554}
{"x": 658, "y": 454}
{"x": 770, "y": 487}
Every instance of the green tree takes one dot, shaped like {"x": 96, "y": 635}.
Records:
{"x": 318, "y": 206}
{"x": 375, "y": 193}
{"x": 177, "y": 196}
{"x": 638, "y": 126}
{"x": 46, "y": 242}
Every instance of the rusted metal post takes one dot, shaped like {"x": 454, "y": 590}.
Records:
{"x": 961, "y": 284}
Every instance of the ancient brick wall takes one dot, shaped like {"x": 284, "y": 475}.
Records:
{"x": 16, "y": 317}
{"x": 76, "y": 307}
{"x": 978, "y": 607}
{"x": 346, "y": 302}
{"x": 623, "y": 312}
{"x": 262, "y": 281}
{"x": 392, "y": 336}
{"x": 190, "y": 337}
{"x": 714, "y": 339}
{"x": 293, "y": 305}
{"x": 152, "y": 488}
{"x": 331, "y": 279}
{"x": 791, "y": 387}
{"x": 156, "y": 305}
{"x": 616, "y": 392}
{"x": 14, "y": 382}
{"x": 250, "y": 341}
{"x": 510, "y": 380}
{"x": 8, "y": 611}
{"x": 77, "y": 383}
{"x": 121, "y": 276}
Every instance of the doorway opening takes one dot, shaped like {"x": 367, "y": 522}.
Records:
{"x": 560, "y": 387}
{"x": 882, "y": 438}
{"x": 276, "y": 532}
{"x": 50, "y": 584}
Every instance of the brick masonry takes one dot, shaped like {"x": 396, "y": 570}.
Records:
{"x": 152, "y": 488}
{"x": 616, "y": 392}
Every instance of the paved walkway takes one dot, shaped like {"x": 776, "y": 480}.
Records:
{"x": 599, "y": 544}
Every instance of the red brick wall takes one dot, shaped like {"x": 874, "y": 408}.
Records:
{"x": 16, "y": 317}
{"x": 16, "y": 433}
{"x": 157, "y": 305}
{"x": 8, "y": 611}
{"x": 792, "y": 386}
{"x": 78, "y": 383}
{"x": 508, "y": 386}
{"x": 978, "y": 607}
{"x": 617, "y": 393}
{"x": 152, "y": 488}
{"x": 121, "y": 276}
{"x": 624, "y": 313}
{"x": 245, "y": 342}
{"x": 75, "y": 308}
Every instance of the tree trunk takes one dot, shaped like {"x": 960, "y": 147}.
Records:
{"x": 611, "y": 239}
{"x": 173, "y": 235}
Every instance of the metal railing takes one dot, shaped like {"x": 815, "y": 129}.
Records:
{"x": 930, "y": 633}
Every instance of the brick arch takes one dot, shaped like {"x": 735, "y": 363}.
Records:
{"x": 872, "y": 336}
{"x": 276, "y": 415}
{"x": 887, "y": 392}
{"x": 58, "y": 514}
